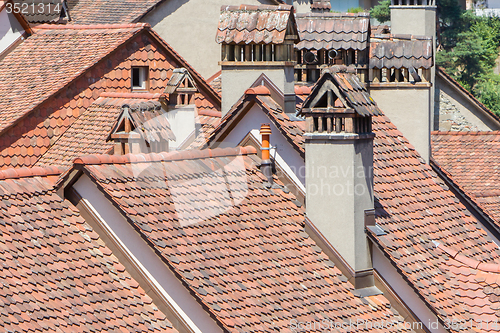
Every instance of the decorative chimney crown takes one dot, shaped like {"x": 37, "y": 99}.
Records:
{"x": 339, "y": 103}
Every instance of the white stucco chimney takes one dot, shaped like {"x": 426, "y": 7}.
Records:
{"x": 257, "y": 40}
{"x": 339, "y": 167}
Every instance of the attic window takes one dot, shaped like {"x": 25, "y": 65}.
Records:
{"x": 140, "y": 78}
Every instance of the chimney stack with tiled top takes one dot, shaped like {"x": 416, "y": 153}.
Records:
{"x": 321, "y": 6}
{"x": 339, "y": 167}
{"x": 256, "y": 40}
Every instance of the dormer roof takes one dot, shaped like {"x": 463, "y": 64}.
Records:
{"x": 180, "y": 79}
{"x": 256, "y": 24}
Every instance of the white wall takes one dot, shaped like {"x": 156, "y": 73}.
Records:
{"x": 182, "y": 123}
{"x": 10, "y": 30}
{"x": 405, "y": 292}
{"x": 252, "y": 121}
{"x": 190, "y": 26}
{"x": 181, "y": 299}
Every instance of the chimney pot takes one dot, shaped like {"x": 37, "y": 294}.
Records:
{"x": 266, "y": 166}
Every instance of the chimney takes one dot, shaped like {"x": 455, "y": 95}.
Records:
{"x": 257, "y": 40}
{"x": 266, "y": 165}
{"x": 339, "y": 167}
{"x": 410, "y": 78}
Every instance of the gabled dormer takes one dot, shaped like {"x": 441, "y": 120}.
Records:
{"x": 181, "y": 88}
{"x": 141, "y": 128}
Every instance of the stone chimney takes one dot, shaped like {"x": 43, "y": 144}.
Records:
{"x": 339, "y": 167}
{"x": 256, "y": 40}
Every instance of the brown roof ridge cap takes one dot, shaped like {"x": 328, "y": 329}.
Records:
{"x": 283, "y": 7}
{"x": 16, "y": 173}
{"x": 47, "y": 26}
{"x": 131, "y": 95}
{"x": 164, "y": 157}
{"x": 497, "y": 132}
{"x": 258, "y": 90}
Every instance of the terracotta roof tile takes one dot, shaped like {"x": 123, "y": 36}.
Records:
{"x": 415, "y": 208}
{"x": 41, "y": 11}
{"x": 333, "y": 31}
{"x": 48, "y": 60}
{"x": 109, "y": 11}
{"x": 89, "y": 133}
{"x": 321, "y": 4}
{"x": 472, "y": 161}
{"x": 239, "y": 247}
{"x": 396, "y": 51}
{"x": 57, "y": 273}
{"x": 263, "y": 24}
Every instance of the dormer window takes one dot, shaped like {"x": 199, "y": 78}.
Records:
{"x": 140, "y": 78}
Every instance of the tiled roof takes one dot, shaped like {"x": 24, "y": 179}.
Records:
{"x": 239, "y": 247}
{"x": 215, "y": 82}
{"x": 57, "y": 274}
{"x": 396, "y": 51}
{"x": 415, "y": 208}
{"x": 43, "y": 11}
{"x": 89, "y": 133}
{"x": 56, "y": 102}
{"x": 149, "y": 120}
{"x": 291, "y": 130}
{"x": 108, "y": 11}
{"x": 253, "y": 24}
{"x": 321, "y": 5}
{"x": 333, "y": 31}
{"x": 351, "y": 89}
{"x": 472, "y": 160}
{"x": 50, "y": 59}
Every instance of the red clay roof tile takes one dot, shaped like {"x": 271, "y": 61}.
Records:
{"x": 325, "y": 31}
{"x": 57, "y": 273}
{"x": 239, "y": 247}
{"x": 471, "y": 160}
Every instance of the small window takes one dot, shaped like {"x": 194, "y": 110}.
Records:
{"x": 139, "y": 78}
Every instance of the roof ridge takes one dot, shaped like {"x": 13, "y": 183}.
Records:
{"x": 497, "y": 132}
{"x": 333, "y": 15}
{"x": 131, "y": 95}
{"x": 472, "y": 263}
{"x": 164, "y": 157}
{"x": 47, "y": 26}
{"x": 209, "y": 113}
{"x": 16, "y": 173}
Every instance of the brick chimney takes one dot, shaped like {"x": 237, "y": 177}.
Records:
{"x": 339, "y": 167}
{"x": 256, "y": 40}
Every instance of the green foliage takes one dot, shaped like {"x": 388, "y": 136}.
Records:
{"x": 355, "y": 10}
{"x": 469, "y": 47}
{"x": 381, "y": 12}
{"x": 487, "y": 90}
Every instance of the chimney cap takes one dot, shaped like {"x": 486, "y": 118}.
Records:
{"x": 259, "y": 90}
{"x": 265, "y": 129}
